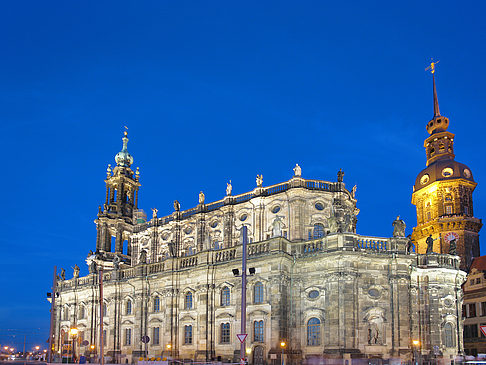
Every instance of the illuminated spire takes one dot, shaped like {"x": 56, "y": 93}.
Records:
{"x": 436, "y": 101}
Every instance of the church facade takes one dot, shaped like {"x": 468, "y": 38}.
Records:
{"x": 314, "y": 283}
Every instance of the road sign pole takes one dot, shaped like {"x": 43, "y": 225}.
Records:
{"x": 243, "y": 293}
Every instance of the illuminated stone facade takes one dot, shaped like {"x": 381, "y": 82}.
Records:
{"x": 325, "y": 290}
{"x": 443, "y": 196}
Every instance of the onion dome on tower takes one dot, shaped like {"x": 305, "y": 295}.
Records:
{"x": 123, "y": 158}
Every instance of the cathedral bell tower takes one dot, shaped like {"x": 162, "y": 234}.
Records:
{"x": 116, "y": 218}
{"x": 442, "y": 195}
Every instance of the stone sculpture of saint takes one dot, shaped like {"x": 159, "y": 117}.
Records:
{"x": 177, "y": 205}
{"x": 430, "y": 244}
{"x": 92, "y": 267}
{"x": 259, "y": 180}
{"x": 201, "y": 197}
{"x": 116, "y": 262}
{"x": 340, "y": 175}
{"x": 277, "y": 227}
{"x": 229, "y": 188}
{"x": 410, "y": 246}
{"x": 76, "y": 272}
{"x": 353, "y": 191}
{"x": 143, "y": 257}
{"x": 297, "y": 170}
{"x": 63, "y": 274}
{"x": 154, "y": 213}
{"x": 452, "y": 247}
{"x": 399, "y": 227}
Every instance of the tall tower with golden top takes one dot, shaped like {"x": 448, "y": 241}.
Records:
{"x": 442, "y": 194}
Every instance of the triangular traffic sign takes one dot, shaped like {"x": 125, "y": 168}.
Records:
{"x": 483, "y": 330}
{"x": 242, "y": 336}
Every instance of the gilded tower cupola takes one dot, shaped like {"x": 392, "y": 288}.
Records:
{"x": 442, "y": 194}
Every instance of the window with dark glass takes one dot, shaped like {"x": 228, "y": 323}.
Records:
{"x": 258, "y": 331}
{"x": 318, "y": 231}
{"x": 155, "y": 335}
{"x": 156, "y": 304}
{"x": 258, "y": 293}
{"x": 225, "y": 332}
{"x": 448, "y": 335}
{"x": 472, "y": 310}
{"x": 188, "y": 301}
{"x": 188, "y": 335}
{"x": 225, "y": 297}
{"x": 483, "y": 309}
{"x": 128, "y": 307}
{"x": 313, "y": 332}
{"x": 128, "y": 336}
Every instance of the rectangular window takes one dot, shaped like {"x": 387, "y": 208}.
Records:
{"x": 472, "y": 310}
{"x": 464, "y": 313}
{"x": 478, "y": 281}
{"x": 156, "y": 304}
{"x": 187, "y": 335}
{"x": 225, "y": 333}
{"x": 448, "y": 209}
{"x": 483, "y": 309}
{"x": 466, "y": 210}
{"x": 128, "y": 336}
{"x": 155, "y": 336}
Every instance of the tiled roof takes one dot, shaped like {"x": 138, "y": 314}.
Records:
{"x": 479, "y": 263}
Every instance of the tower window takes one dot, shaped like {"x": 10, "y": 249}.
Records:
{"x": 448, "y": 209}
{"x": 466, "y": 210}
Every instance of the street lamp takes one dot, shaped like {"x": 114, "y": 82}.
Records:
{"x": 73, "y": 331}
{"x": 415, "y": 345}
{"x": 282, "y": 345}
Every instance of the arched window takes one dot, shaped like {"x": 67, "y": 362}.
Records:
{"x": 128, "y": 307}
{"x": 81, "y": 312}
{"x": 156, "y": 304}
{"x": 448, "y": 335}
{"x": 66, "y": 313}
{"x": 189, "y": 251}
{"x": 318, "y": 231}
{"x": 258, "y": 331}
{"x": 225, "y": 297}
{"x": 313, "y": 332}
{"x": 188, "y": 335}
{"x": 225, "y": 332}
{"x": 188, "y": 301}
{"x": 216, "y": 245}
{"x": 258, "y": 293}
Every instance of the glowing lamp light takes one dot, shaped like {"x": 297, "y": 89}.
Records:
{"x": 248, "y": 351}
{"x": 416, "y": 342}
{"x": 73, "y": 331}
{"x": 169, "y": 346}
{"x": 37, "y": 348}
{"x": 282, "y": 344}
{"x": 92, "y": 347}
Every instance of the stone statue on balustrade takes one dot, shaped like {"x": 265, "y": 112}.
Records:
{"x": 399, "y": 227}
{"x": 430, "y": 244}
{"x": 92, "y": 267}
{"x": 201, "y": 197}
{"x": 259, "y": 180}
{"x": 229, "y": 188}
{"x": 177, "y": 205}
{"x": 410, "y": 246}
{"x": 353, "y": 191}
{"x": 116, "y": 262}
{"x": 154, "y": 213}
{"x": 143, "y": 257}
{"x": 297, "y": 170}
{"x": 340, "y": 175}
{"x": 76, "y": 271}
{"x": 453, "y": 247}
{"x": 172, "y": 249}
{"x": 63, "y": 274}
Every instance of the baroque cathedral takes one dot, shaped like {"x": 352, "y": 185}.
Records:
{"x": 172, "y": 286}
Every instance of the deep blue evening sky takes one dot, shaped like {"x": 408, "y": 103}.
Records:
{"x": 213, "y": 91}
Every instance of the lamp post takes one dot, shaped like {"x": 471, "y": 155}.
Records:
{"x": 282, "y": 345}
{"x": 415, "y": 345}
{"x": 73, "y": 331}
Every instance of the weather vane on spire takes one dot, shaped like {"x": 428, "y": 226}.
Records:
{"x": 126, "y": 130}
{"x": 432, "y": 66}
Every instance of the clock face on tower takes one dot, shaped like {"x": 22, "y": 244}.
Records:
{"x": 449, "y": 236}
